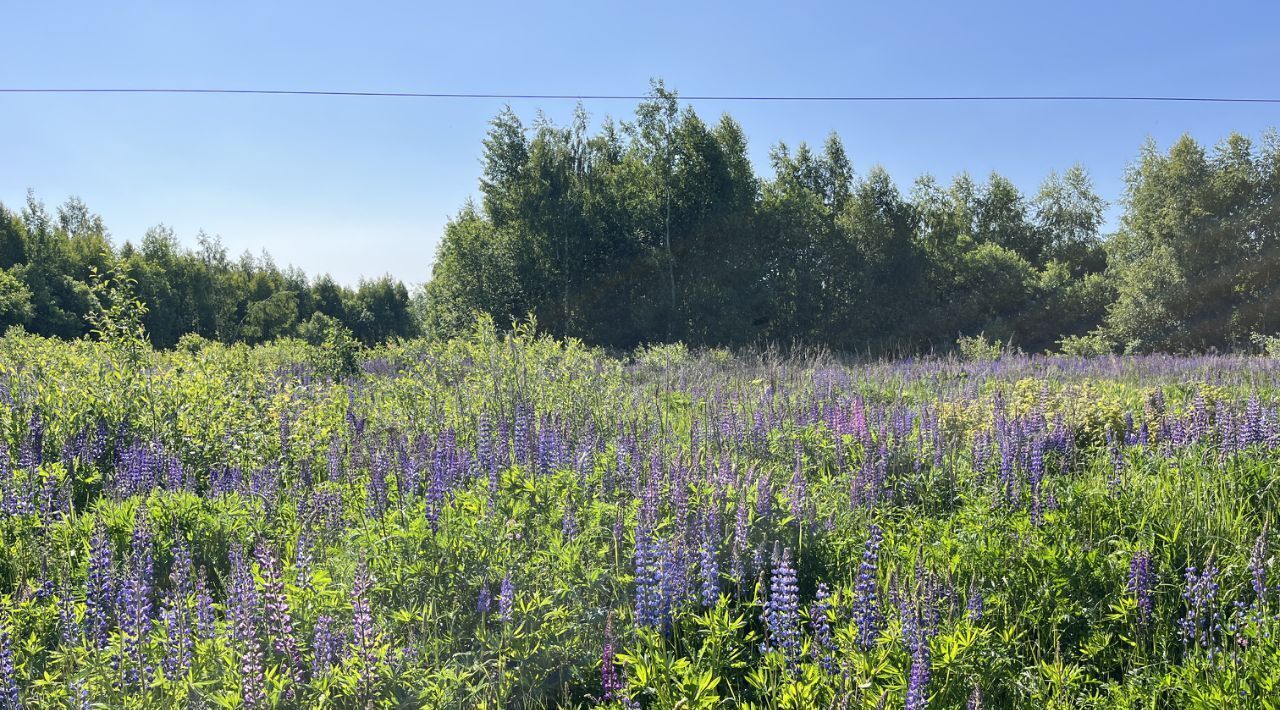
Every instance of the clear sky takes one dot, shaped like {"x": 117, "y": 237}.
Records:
{"x": 363, "y": 186}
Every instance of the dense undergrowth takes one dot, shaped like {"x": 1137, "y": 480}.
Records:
{"x": 507, "y": 520}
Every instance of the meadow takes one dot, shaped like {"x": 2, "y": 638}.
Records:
{"x": 509, "y": 520}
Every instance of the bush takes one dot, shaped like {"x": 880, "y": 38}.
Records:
{"x": 336, "y": 351}
{"x": 1091, "y": 345}
{"x": 976, "y": 348}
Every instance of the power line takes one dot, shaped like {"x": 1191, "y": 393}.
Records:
{"x": 641, "y": 97}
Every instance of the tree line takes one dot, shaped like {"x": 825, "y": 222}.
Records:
{"x": 659, "y": 229}
{"x": 49, "y": 261}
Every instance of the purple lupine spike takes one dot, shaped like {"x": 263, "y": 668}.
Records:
{"x": 975, "y": 699}
{"x": 673, "y": 581}
{"x": 484, "y": 600}
{"x": 976, "y": 605}
{"x": 819, "y": 615}
{"x": 326, "y": 646}
{"x": 918, "y": 683}
{"x": 781, "y": 611}
{"x": 205, "y": 619}
{"x": 1141, "y": 584}
{"x": 68, "y": 627}
{"x": 365, "y": 635}
{"x": 609, "y": 678}
{"x": 741, "y": 535}
{"x": 866, "y": 596}
{"x": 176, "y": 615}
{"x": 1202, "y": 625}
{"x": 569, "y": 521}
{"x": 647, "y": 574}
{"x": 100, "y": 592}
{"x": 279, "y": 622}
{"x": 245, "y": 617}
{"x": 136, "y": 604}
{"x": 10, "y": 697}
{"x": 377, "y": 484}
{"x": 708, "y": 559}
{"x": 1035, "y": 478}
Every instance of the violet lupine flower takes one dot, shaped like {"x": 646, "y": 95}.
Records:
{"x": 1117, "y": 463}
{"x": 10, "y": 698}
{"x": 135, "y": 601}
{"x": 1141, "y": 584}
{"x": 377, "y": 485}
{"x": 244, "y": 615}
{"x": 648, "y": 577}
{"x": 176, "y": 615}
{"x": 741, "y": 531}
{"x": 569, "y": 522}
{"x": 325, "y": 647}
{"x": 1202, "y": 625}
{"x": 204, "y": 607}
{"x": 68, "y": 629}
{"x": 674, "y": 579}
{"x": 365, "y": 636}
{"x": 824, "y": 646}
{"x": 781, "y": 611}
{"x": 100, "y": 590}
{"x": 708, "y": 562}
{"x": 506, "y": 597}
{"x": 976, "y": 605}
{"x": 918, "y": 685}
{"x": 975, "y": 699}
{"x": 279, "y": 622}
{"x": 609, "y": 679}
{"x": 1035, "y": 478}
{"x": 866, "y": 603}
{"x": 436, "y": 493}
{"x": 484, "y": 600}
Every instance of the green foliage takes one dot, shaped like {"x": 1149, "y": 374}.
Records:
{"x": 407, "y": 472}
{"x": 1090, "y": 345}
{"x": 978, "y": 348}
{"x": 48, "y": 264}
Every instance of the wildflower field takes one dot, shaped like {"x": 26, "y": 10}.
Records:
{"x": 504, "y": 520}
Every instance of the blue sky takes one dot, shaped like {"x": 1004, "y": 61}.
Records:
{"x": 363, "y": 186}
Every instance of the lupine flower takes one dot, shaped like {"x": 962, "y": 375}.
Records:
{"x": 176, "y": 615}
{"x": 918, "y": 683}
{"x": 975, "y": 699}
{"x": 279, "y": 622}
{"x": 781, "y": 611}
{"x": 244, "y": 616}
{"x": 609, "y": 679}
{"x": 326, "y": 645}
{"x": 866, "y": 601}
{"x": 741, "y": 531}
{"x": 506, "y": 595}
{"x": 975, "y": 604}
{"x": 1141, "y": 584}
{"x": 100, "y": 588}
{"x": 10, "y": 699}
{"x": 1202, "y": 625}
{"x": 204, "y": 607}
{"x": 365, "y": 636}
{"x": 824, "y": 646}
{"x": 484, "y": 601}
{"x": 135, "y": 601}
{"x": 708, "y": 563}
